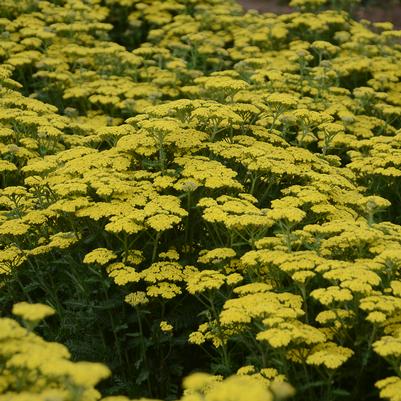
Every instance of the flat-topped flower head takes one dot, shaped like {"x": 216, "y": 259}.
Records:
{"x": 390, "y": 388}
{"x": 329, "y": 354}
{"x": 99, "y": 256}
{"x": 166, "y": 327}
{"x": 32, "y": 312}
{"x": 205, "y": 280}
{"x": 216, "y": 255}
{"x": 388, "y": 347}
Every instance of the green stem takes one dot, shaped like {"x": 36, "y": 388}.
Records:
{"x": 162, "y": 159}
{"x": 253, "y": 185}
{"x": 303, "y": 292}
{"x": 265, "y": 193}
{"x": 226, "y": 361}
{"x": 155, "y": 245}
{"x": 111, "y": 318}
{"x": 125, "y": 242}
{"x": 286, "y": 231}
{"x": 364, "y": 363}
{"x": 187, "y": 227}
{"x": 143, "y": 350}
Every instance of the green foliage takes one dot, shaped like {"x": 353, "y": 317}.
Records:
{"x": 195, "y": 188}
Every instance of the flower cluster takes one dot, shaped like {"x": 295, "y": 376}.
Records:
{"x": 179, "y": 173}
{"x": 32, "y": 368}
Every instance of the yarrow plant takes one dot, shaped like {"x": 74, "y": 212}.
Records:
{"x": 191, "y": 193}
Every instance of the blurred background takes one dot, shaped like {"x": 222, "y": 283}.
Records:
{"x": 373, "y": 10}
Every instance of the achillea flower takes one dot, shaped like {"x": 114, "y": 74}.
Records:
{"x": 332, "y": 294}
{"x": 32, "y": 312}
{"x": 166, "y": 327}
{"x": 122, "y": 274}
{"x": 99, "y": 256}
{"x": 216, "y": 255}
{"x": 204, "y": 280}
{"x": 164, "y": 290}
{"x": 329, "y": 354}
{"x": 390, "y": 388}
{"x": 136, "y": 298}
{"x": 388, "y": 347}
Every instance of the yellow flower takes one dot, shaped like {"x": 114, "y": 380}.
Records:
{"x": 234, "y": 278}
{"x": 388, "y": 346}
{"x": 216, "y": 255}
{"x": 47, "y": 366}
{"x": 166, "y": 327}
{"x": 100, "y": 256}
{"x": 246, "y": 370}
{"x": 390, "y": 388}
{"x": 376, "y": 317}
{"x": 259, "y": 304}
{"x": 171, "y": 254}
{"x": 14, "y": 227}
{"x": 63, "y": 240}
{"x": 324, "y": 47}
{"x": 130, "y": 224}
{"x": 302, "y": 276}
{"x": 222, "y": 83}
{"x": 122, "y": 274}
{"x": 32, "y": 312}
{"x": 87, "y": 374}
{"x": 291, "y": 332}
{"x": 161, "y": 271}
{"x": 6, "y": 166}
{"x": 281, "y": 389}
{"x": 201, "y": 171}
{"x": 199, "y": 381}
{"x": 275, "y": 337}
{"x": 204, "y": 280}
{"x": 137, "y": 298}
{"x": 10, "y": 258}
{"x": 252, "y": 288}
{"x": 163, "y": 212}
{"x": 196, "y": 338}
{"x": 164, "y": 290}
{"x": 162, "y": 222}
{"x": 396, "y": 287}
{"x": 240, "y": 388}
{"x": 329, "y": 354}
{"x": 336, "y": 317}
{"x": 332, "y": 294}
{"x": 383, "y": 303}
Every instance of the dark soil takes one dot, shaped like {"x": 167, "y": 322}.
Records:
{"x": 373, "y": 13}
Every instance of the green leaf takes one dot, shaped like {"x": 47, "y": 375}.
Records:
{"x": 142, "y": 376}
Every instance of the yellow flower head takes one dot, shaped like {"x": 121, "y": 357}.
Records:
{"x": 32, "y": 312}
{"x": 137, "y": 298}
{"x": 166, "y": 327}
{"x": 100, "y": 256}
{"x": 329, "y": 354}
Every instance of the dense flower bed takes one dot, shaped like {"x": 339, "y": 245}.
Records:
{"x": 192, "y": 188}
